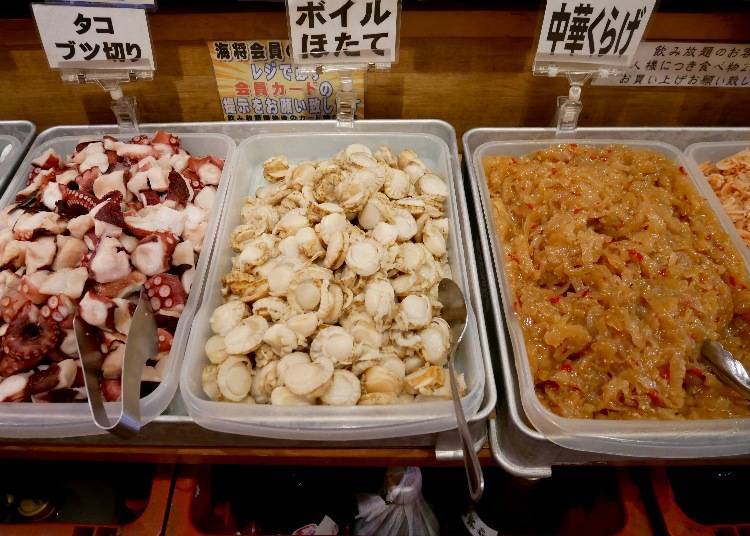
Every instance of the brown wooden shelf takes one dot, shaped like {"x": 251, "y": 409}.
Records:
{"x": 420, "y": 456}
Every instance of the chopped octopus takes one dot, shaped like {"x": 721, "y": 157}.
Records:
{"x": 84, "y": 235}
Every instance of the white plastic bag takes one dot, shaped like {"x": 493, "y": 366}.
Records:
{"x": 403, "y": 512}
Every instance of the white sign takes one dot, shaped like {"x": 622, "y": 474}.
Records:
{"x": 343, "y": 31}
{"x": 91, "y": 38}
{"x": 603, "y": 32}
{"x": 680, "y": 64}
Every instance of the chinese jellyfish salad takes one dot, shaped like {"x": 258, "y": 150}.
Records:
{"x": 619, "y": 271}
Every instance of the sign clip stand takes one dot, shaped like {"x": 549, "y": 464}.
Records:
{"x": 346, "y": 100}
{"x": 569, "y": 107}
{"x": 124, "y": 108}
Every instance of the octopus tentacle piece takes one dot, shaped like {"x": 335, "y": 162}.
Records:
{"x": 75, "y": 201}
{"x": 59, "y": 309}
{"x": 166, "y": 293}
{"x": 153, "y": 254}
{"x": 30, "y": 335}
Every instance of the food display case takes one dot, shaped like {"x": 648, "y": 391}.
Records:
{"x": 516, "y": 443}
{"x": 172, "y": 427}
{"x": 291, "y": 144}
{"x": 74, "y": 419}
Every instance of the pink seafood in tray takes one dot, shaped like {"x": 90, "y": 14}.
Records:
{"x": 84, "y": 236}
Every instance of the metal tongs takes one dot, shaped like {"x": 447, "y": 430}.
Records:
{"x": 141, "y": 345}
{"x": 726, "y": 367}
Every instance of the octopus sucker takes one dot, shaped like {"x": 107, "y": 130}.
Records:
{"x": 30, "y": 335}
{"x": 77, "y": 201}
{"x": 165, "y": 292}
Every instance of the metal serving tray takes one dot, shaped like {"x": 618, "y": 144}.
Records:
{"x": 316, "y": 422}
{"x": 516, "y": 445}
{"x": 74, "y": 419}
{"x": 15, "y": 138}
{"x": 174, "y": 427}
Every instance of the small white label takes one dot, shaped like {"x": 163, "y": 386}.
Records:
{"x": 330, "y": 32}
{"x": 603, "y": 32}
{"x": 476, "y": 526}
{"x": 685, "y": 64}
{"x": 91, "y": 38}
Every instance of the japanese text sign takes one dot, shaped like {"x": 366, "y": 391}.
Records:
{"x": 599, "y": 32}
{"x": 678, "y": 64}
{"x": 94, "y": 37}
{"x": 257, "y": 80}
{"x": 343, "y": 31}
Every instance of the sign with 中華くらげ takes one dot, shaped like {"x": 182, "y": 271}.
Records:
{"x": 596, "y": 32}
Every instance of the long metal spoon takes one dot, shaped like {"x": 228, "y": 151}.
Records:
{"x": 727, "y": 368}
{"x": 455, "y": 313}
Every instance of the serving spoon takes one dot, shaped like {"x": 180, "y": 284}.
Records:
{"x": 727, "y": 368}
{"x": 454, "y": 312}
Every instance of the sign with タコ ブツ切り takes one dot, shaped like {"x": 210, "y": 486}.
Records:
{"x": 94, "y": 38}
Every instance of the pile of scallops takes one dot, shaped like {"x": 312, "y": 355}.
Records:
{"x": 332, "y": 296}
{"x": 83, "y": 237}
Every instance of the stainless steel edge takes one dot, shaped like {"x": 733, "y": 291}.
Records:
{"x": 490, "y": 390}
{"x": 512, "y": 439}
{"x": 24, "y": 132}
{"x": 521, "y": 468}
{"x": 484, "y": 225}
{"x": 448, "y": 445}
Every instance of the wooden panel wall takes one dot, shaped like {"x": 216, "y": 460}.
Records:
{"x": 470, "y": 68}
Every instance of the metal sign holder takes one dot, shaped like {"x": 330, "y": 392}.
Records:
{"x": 578, "y": 74}
{"x": 110, "y": 79}
{"x": 124, "y": 108}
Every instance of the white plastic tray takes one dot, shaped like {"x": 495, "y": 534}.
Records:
{"x": 15, "y": 138}
{"x": 324, "y": 422}
{"x": 697, "y": 153}
{"x": 74, "y": 419}
{"x": 644, "y": 438}
{"x": 8, "y": 153}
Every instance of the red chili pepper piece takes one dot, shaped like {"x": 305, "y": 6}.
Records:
{"x": 548, "y": 384}
{"x": 695, "y": 371}
{"x": 566, "y": 366}
{"x": 664, "y": 371}
{"x": 635, "y": 255}
{"x": 554, "y": 299}
{"x": 655, "y": 398}
{"x": 734, "y": 283}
